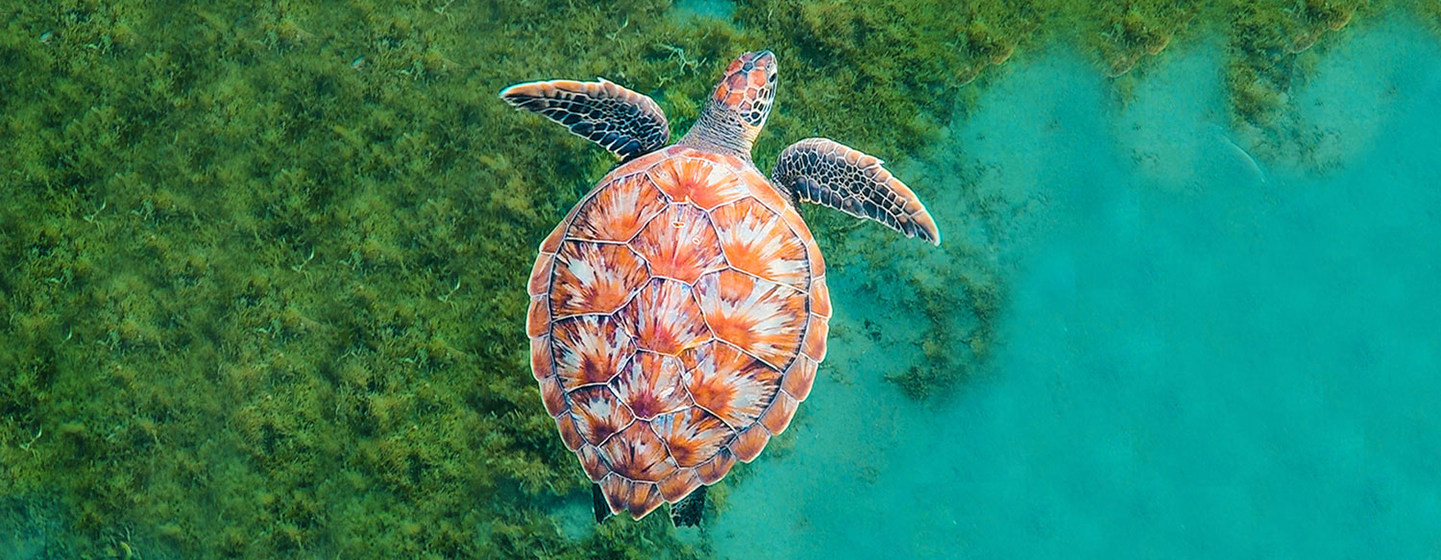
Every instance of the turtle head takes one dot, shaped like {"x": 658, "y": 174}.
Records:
{"x": 749, "y": 87}
{"x": 738, "y": 108}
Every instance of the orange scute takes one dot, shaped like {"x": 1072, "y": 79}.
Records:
{"x": 651, "y": 385}
{"x": 731, "y": 384}
{"x": 760, "y": 317}
{"x": 594, "y": 278}
{"x": 636, "y": 453}
{"x": 589, "y": 349}
{"x": 664, "y": 317}
{"x": 750, "y": 443}
{"x": 820, "y": 297}
{"x": 598, "y": 414}
{"x": 800, "y": 377}
{"x": 716, "y": 467}
{"x": 635, "y": 498}
{"x": 679, "y": 485}
{"x": 618, "y": 210}
{"x": 757, "y": 241}
{"x": 700, "y": 180}
{"x": 692, "y": 435}
{"x": 778, "y": 417}
{"x": 680, "y": 244}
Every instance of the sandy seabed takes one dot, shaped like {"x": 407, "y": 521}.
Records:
{"x": 1205, "y": 353}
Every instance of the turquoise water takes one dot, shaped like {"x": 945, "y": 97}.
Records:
{"x": 1206, "y": 353}
{"x": 264, "y": 293}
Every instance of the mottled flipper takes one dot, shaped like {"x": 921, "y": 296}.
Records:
{"x": 620, "y": 120}
{"x": 687, "y": 512}
{"x": 830, "y": 174}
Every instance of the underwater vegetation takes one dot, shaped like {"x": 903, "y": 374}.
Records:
{"x": 264, "y": 264}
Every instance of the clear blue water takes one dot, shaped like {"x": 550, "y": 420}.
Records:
{"x": 1206, "y": 352}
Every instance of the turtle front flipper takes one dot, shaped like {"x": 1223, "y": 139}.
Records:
{"x": 620, "y": 120}
{"x": 830, "y": 174}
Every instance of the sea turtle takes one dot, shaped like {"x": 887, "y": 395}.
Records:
{"x": 678, "y": 313}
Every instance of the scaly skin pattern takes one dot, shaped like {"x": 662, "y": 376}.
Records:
{"x": 677, "y": 317}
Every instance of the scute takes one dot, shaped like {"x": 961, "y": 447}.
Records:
{"x": 760, "y": 317}
{"x": 680, "y": 243}
{"x": 669, "y": 322}
{"x": 594, "y": 278}
{"x": 664, "y": 317}
{"x": 617, "y": 212}
{"x": 638, "y": 454}
{"x": 692, "y": 435}
{"x": 758, "y": 241}
{"x": 731, "y": 384}
{"x": 589, "y": 349}
{"x": 651, "y": 385}
{"x": 699, "y": 180}
{"x": 598, "y": 413}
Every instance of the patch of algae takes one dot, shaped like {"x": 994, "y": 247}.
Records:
{"x": 268, "y": 263}
{"x": 1267, "y": 54}
{"x": 265, "y": 265}
{"x": 1123, "y": 32}
{"x": 886, "y": 77}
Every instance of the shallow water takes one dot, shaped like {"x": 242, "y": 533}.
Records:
{"x": 264, "y": 284}
{"x": 1204, "y": 354}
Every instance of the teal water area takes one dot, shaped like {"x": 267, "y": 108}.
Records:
{"x": 1206, "y": 352}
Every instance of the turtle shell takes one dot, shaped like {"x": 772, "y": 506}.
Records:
{"x": 677, "y": 317}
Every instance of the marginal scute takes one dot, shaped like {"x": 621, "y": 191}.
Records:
{"x": 541, "y": 362}
{"x": 537, "y": 318}
{"x": 750, "y": 442}
{"x": 763, "y": 318}
{"x": 619, "y": 209}
{"x": 635, "y": 498}
{"x": 815, "y": 344}
{"x": 813, "y": 254}
{"x": 589, "y": 349}
{"x": 730, "y": 162}
{"x": 820, "y": 297}
{"x": 594, "y": 278}
{"x": 679, "y": 485}
{"x": 592, "y": 463}
{"x": 679, "y": 243}
{"x": 716, "y": 467}
{"x": 539, "y": 283}
{"x": 553, "y": 395}
{"x": 800, "y": 377}
{"x": 569, "y": 434}
{"x": 664, "y": 317}
{"x": 552, "y": 241}
{"x": 765, "y": 192}
{"x": 778, "y": 417}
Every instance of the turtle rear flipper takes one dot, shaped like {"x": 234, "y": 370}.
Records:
{"x": 620, "y": 120}
{"x": 831, "y": 174}
{"x": 687, "y": 512}
{"x": 598, "y": 504}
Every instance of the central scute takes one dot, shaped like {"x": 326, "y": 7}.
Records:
{"x": 677, "y": 319}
